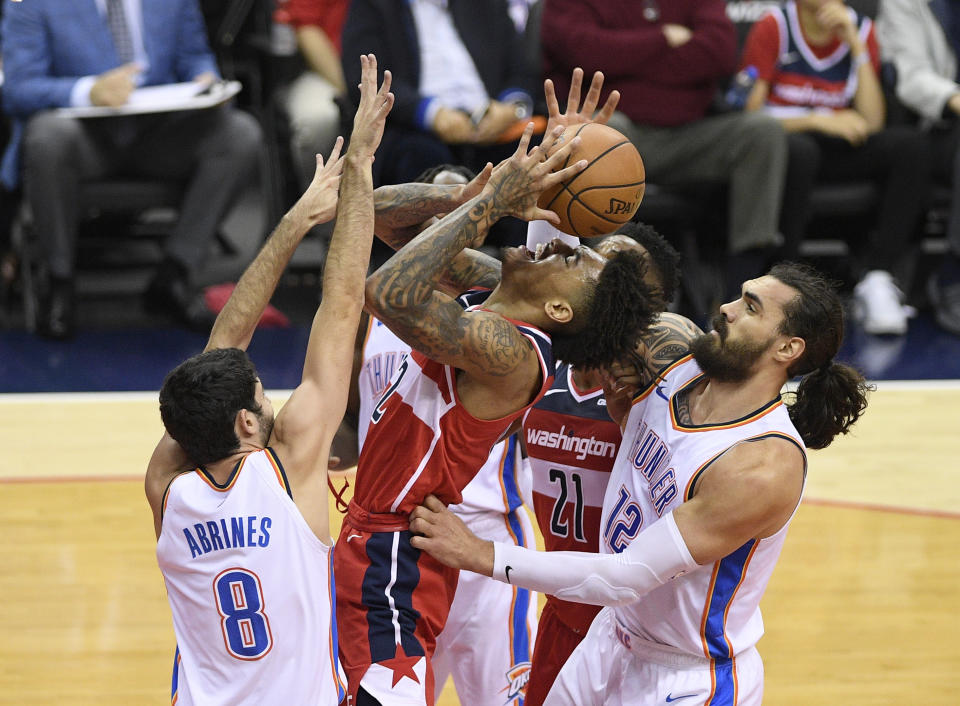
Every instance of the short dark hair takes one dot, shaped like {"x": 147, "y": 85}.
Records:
{"x": 663, "y": 256}
{"x": 619, "y": 309}
{"x": 831, "y": 396}
{"x": 200, "y": 398}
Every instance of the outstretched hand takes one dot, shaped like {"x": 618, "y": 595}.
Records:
{"x": 375, "y": 105}
{"x": 318, "y": 204}
{"x": 446, "y": 538}
{"x": 517, "y": 182}
{"x": 575, "y": 114}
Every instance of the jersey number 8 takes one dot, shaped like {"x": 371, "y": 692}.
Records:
{"x": 246, "y": 630}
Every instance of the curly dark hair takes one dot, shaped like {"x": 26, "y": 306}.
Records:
{"x": 663, "y": 256}
{"x": 619, "y": 309}
{"x": 831, "y": 395}
{"x": 200, "y": 398}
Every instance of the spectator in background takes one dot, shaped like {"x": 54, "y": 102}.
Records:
{"x": 311, "y": 102}
{"x": 458, "y": 77}
{"x": 922, "y": 39}
{"x": 667, "y": 59}
{"x": 817, "y": 68}
{"x": 60, "y": 53}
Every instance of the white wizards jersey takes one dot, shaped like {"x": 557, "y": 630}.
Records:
{"x": 497, "y": 486}
{"x": 713, "y": 611}
{"x": 251, "y": 591}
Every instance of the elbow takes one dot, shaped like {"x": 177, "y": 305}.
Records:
{"x": 374, "y": 297}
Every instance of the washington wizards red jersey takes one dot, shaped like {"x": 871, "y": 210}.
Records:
{"x": 421, "y": 439}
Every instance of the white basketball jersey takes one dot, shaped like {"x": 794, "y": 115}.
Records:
{"x": 251, "y": 591}
{"x": 497, "y": 485}
{"x": 713, "y": 611}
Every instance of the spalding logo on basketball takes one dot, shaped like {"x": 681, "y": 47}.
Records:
{"x": 607, "y": 193}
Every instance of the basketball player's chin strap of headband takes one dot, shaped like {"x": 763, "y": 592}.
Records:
{"x": 656, "y": 556}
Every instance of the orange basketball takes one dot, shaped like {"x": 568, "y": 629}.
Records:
{"x": 607, "y": 193}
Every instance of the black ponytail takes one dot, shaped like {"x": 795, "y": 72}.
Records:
{"x": 831, "y": 396}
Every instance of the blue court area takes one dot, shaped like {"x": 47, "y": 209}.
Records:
{"x": 136, "y": 355}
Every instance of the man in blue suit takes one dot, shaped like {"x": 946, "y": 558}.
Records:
{"x": 59, "y": 53}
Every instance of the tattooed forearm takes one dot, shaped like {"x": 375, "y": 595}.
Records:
{"x": 400, "y": 208}
{"x": 665, "y": 342}
{"x": 471, "y": 268}
{"x": 409, "y": 277}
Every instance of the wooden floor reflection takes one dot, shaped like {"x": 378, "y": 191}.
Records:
{"x": 861, "y": 610}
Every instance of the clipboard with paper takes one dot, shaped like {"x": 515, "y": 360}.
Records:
{"x": 189, "y": 95}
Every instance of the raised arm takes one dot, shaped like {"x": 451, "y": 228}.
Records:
{"x": 403, "y": 293}
{"x": 306, "y": 425}
{"x": 237, "y": 321}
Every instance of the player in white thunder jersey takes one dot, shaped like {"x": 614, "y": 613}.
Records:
{"x": 710, "y": 471}
{"x": 239, "y": 505}
{"x": 487, "y": 641}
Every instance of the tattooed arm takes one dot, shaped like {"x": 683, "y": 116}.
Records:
{"x": 403, "y": 209}
{"x": 665, "y": 342}
{"x": 400, "y": 210}
{"x": 402, "y": 292}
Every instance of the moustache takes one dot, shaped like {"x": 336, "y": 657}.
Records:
{"x": 719, "y": 323}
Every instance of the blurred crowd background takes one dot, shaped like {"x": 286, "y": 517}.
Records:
{"x": 807, "y": 129}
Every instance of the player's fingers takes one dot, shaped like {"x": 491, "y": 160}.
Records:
{"x": 573, "y": 97}
{"x": 593, "y": 95}
{"x": 609, "y": 106}
{"x": 560, "y": 154}
{"x": 336, "y": 151}
{"x": 524, "y": 143}
{"x": 565, "y": 173}
{"x": 553, "y": 107}
{"x": 368, "y": 76}
{"x": 387, "y": 79}
{"x": 432, "y": 502}
{"x": 386, "y": 106}
{"x": 551, "y": 141}
{"x": 540, "y": 214}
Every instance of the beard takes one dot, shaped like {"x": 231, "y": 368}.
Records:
{"x": 726, "y": 361}
{"x": 266, "y": 427}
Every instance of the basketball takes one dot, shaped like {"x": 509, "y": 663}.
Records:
{"x": 607, "y": 193}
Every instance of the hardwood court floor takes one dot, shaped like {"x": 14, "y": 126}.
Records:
{"x": 861, "y": 610}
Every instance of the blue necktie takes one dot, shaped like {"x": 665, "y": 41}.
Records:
{"x": 117, "y": 21}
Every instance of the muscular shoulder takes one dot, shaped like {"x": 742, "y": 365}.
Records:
{"x": 666, "y": 341}
{"x": 758, "y": 480}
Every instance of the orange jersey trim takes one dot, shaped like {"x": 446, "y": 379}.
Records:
{"x": 641, "y": 396}
{"x": 234, "y": 474}
{"x": 278, "y": 470}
